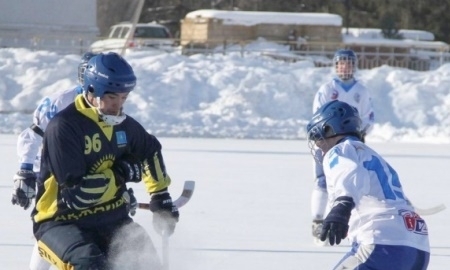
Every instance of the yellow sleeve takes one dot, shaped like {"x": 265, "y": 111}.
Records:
{"x": 155, "y": 177}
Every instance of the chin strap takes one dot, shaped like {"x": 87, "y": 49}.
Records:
{"x": 111, "y": 120}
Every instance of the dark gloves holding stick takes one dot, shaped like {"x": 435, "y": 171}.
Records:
{"x": 335, "y": 224}
{"x": 24, "y": 188}
{"x": 165, "y": 213}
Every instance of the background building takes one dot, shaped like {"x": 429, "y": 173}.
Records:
{"x": 64, "y": 26}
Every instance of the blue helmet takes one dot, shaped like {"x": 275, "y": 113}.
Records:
{"x": 350, "y": 58}
{"x": 82, "y": 66}
{"x": 332, "y": 119}
{"x": 345, "y": 54}
{"x": 108, "y": 73}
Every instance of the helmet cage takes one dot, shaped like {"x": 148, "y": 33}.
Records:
{"x": 345, "y": 64}
{"x": 82, "y": 66}
{"x": 81, "y": 69}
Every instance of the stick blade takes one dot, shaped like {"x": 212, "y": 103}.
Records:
{"x": 430, "y": 211}
{"x": 188, "y": 190}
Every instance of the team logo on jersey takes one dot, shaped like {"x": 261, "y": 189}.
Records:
{"x": 121, "y": 138}
{"x": 48, "y": 108}
{"x": 334, "y": 95}
{"x": 413, "y": 222}
{"x": 357, "y": 97}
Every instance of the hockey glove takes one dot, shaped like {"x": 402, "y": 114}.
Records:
{"x": 165, "y": 213}
{"x": 132, "y": 203}
{"x": 335, "y": 224}
{"x": 127, "y": 169}
{"x": 24, "y": 188}
{"x": 87, "y": 193}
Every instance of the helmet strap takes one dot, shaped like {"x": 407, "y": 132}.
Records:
{"x": 111, "y": 120}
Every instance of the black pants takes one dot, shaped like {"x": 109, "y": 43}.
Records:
{"x": 123, "y": 245}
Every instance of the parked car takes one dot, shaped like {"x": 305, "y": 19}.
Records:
{"x": 146, "y": 36}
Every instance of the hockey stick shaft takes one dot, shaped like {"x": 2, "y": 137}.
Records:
{"x": 188, "y": 190}
{"x": 145, "y": 206}
{"x": 165, "y": 250}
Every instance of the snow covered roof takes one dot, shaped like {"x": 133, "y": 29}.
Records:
{"x": 257, "y": 17}
{"x": 375, "y": 33}
{"x": 397, "y": 43}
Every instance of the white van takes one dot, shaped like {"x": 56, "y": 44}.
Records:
{"x": 146, "y": 36}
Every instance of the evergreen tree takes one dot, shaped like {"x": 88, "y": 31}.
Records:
{"x": 389, "y": 15}
{"x": 389, "y": 27}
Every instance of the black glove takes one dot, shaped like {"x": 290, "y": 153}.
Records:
{"x": 132, "y": 203}
{"x": 165, "y": 213}
{"x": 335, "y": 224}
{"x": 127, "y": 169}
{"x": 87, "y": 193}
{"x": 24, "y": 188}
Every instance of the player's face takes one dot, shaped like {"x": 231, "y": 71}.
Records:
{"x": 344, "y": 69}
{"x": 321, "y": 144}
{"x": 112, "y": 103}
{"x": 326, "y": 144}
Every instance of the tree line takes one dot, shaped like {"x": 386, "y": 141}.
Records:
{"x": 390, "y": 15}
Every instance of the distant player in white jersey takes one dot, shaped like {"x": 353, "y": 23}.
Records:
{"x": 343, "y": 87}
{"x": 365, "y": 197}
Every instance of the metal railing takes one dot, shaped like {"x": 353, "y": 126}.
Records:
{"x": 57, "y": 43}
{"x": 320, "y": 53}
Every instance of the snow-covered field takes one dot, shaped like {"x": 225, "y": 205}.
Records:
{"x": 250, "y": 209}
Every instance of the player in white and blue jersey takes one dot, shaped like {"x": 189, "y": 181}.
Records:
{"x": 343, "y": 87}
{"x": 30, "y": 140}
{"x": 365, "y": 196}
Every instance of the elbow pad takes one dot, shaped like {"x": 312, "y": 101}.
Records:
{"x": 87, "y": 193}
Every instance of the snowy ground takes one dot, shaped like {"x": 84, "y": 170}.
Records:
{"x": 250, "y": 209}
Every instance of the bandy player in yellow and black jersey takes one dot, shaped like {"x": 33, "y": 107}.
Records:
{"x": 91, "y": 150}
